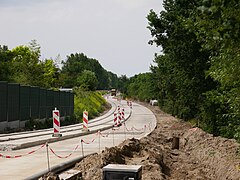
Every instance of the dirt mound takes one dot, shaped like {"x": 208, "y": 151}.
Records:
{"x": 200, "y": 155}
{"x": 131, "y": 152}
{"x": 219, "y": 154}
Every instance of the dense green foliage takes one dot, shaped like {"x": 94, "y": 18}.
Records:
{"x": 23, "y": 65}
{"x": 87, "y": 80}
{"x": 197, "y": 76}
{"x": 74, "y": 68}
{"x": 93, "y": 102}
{"x": 5, "y": 58}
{"x": 140, "y": 87}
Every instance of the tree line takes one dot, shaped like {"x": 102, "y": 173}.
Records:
{"x": 197, "y": 75}
{"x": 23, "y": 64}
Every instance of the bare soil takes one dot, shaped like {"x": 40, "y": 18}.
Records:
{"x": 200, "y": 155}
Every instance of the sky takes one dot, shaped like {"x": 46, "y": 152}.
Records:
{"x": 112, "y": 31}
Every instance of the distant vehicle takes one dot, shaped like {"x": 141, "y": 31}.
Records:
{"x": 113, "y": 92}
{"x": 154, "y": 102}
{"x": 66, "y": 89}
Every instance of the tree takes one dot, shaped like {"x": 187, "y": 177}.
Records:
{"x": 50, "y": 74}
{"x": 26, "y": 68}
{"x": 5, "y": 63}
{"x": 87, "y": 80}
{"x": 123, "y": 82}
{"x": 180, "y": 71}
{"x": 113, "y": 80}
{"x": 141, "y": 87}
{"x": 198, "y": 73}
{"x": 76, "y": 64}
{"x": 217, "y": 26}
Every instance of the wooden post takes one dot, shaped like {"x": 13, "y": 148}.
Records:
{"x": 175, "y": 143}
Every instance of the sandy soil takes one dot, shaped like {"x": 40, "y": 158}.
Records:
{"x": 200, "y": 155}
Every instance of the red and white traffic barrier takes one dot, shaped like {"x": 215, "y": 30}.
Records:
{"x": 63, "y": 157}
{"x": 56, "y": 123}
{"x": 22, "y": 155}
{"x": 119, "y": 115}
{"x": 85, "y": 121}
{"x": 123, "y": 114}
{"x": 118, "y": 108}
{"x": 115, "y": 119}
{"x": 88, "y": 142}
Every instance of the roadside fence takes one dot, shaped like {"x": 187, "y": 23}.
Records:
{"x": 81, "y": 143}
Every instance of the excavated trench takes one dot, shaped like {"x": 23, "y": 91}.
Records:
{"x": 200, "y": 155}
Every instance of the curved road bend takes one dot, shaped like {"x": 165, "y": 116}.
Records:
{"x": 23, "y": 167}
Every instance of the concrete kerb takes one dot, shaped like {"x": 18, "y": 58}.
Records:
{"x": 154, "y": 126}
{"x": 58, "y": 168}
{"x": 51, "y": 140}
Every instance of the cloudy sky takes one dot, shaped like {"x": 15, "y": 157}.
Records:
{"x": 111, "y": 31}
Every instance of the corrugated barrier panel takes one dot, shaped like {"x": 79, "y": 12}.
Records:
{"x": 57, "y": 99}
{"x": 34, "y": 102}
{"x": 50, "y": 103}
{"x": 3, "y": 101}
{"x": 24, "y": 103}
{"x": 71, "y": 103}
{"x": 62, "y": 104}
{"x": 42, "y": 103}
{"x": 19, "y": 102}
{"x": 67, "y": 102}
{"x": 13, "y": 101}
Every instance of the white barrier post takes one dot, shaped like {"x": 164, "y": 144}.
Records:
{"x": 99, "y": 141}
{"x": 82, "y": 154}
{"x": 118, "y": 108}
{"x": 56, "y": 123}
{"x": 119, "y": 119}
{"x": 48, "y": 161}
{"x": 85, "y": 121}
{"x": 82, "y": 148}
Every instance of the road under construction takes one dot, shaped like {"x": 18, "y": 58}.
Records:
{"x": 28, "y": 155}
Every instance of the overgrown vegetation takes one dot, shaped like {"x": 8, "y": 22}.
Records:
{"x": 23, "y": 65}
{"x": 91, "y": 101}
{"x": 197, "y": 76}
{"x": 140, "y": 87}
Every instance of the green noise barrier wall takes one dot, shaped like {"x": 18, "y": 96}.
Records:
{"x": 3, "y": 101}
{"x": 24, "y": 103}
{"x": 13, "y": 102}
{"x": 18, "y": 102}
